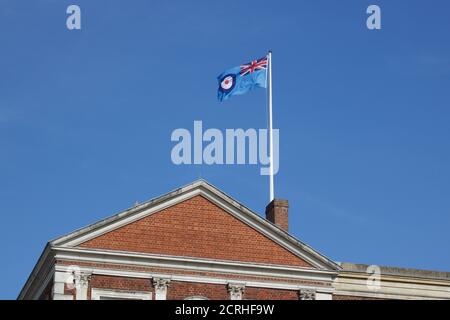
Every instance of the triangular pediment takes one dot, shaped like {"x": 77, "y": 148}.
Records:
{"x": 197, "y": 221}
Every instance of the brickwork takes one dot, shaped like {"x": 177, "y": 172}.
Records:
{"x": 133, "y": 268}
{"x": 196, "y": 228}
{"x": 178, "y": 290}
{"x": 270, "y": 294}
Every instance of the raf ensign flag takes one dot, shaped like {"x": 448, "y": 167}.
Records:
{"x": 239, "y": 80}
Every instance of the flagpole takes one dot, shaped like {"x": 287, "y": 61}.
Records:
{"x": 269, "y": 102}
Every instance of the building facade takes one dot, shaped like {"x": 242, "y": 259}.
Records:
{"x": 198, "y": 243}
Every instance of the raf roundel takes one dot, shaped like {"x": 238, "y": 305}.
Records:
{"x": 227, "y": 83}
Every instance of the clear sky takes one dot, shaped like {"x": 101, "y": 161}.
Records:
{"x": 86, "y": 118}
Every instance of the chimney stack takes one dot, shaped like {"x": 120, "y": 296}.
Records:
{"x": 277, "y": 213}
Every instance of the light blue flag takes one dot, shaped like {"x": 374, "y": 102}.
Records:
{"x": 239, "y": 80}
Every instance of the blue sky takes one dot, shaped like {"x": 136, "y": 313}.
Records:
{"x": 86, "y": 118}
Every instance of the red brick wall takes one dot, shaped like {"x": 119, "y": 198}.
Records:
{"x": 120, "y": 283}
{"x": 196, "y": 228}
{"x": 270, "y": 294}
{"x": 178, "y": 290}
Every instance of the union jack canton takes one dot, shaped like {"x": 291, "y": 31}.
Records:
{"x": 239, "y": 80}
{"x": 255, "y": 65}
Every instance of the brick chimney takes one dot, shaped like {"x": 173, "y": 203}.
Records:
{"x": 277, "y": 213}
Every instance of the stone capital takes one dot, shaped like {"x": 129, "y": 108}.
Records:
{"x": 161, "y": 285}
{"x": 307, "y": 294}
{"x": 236, "y": 291}
{"x": 81, "y": 279}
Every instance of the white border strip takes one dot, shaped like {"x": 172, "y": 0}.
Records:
{"x": 192, "y": 264}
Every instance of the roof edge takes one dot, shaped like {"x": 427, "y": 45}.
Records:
{"x": 397, "y": 271}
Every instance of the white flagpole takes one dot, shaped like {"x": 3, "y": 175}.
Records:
{"x": 269, "y": 102}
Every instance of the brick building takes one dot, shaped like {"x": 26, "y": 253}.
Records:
{"x": 198, "y": 243}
